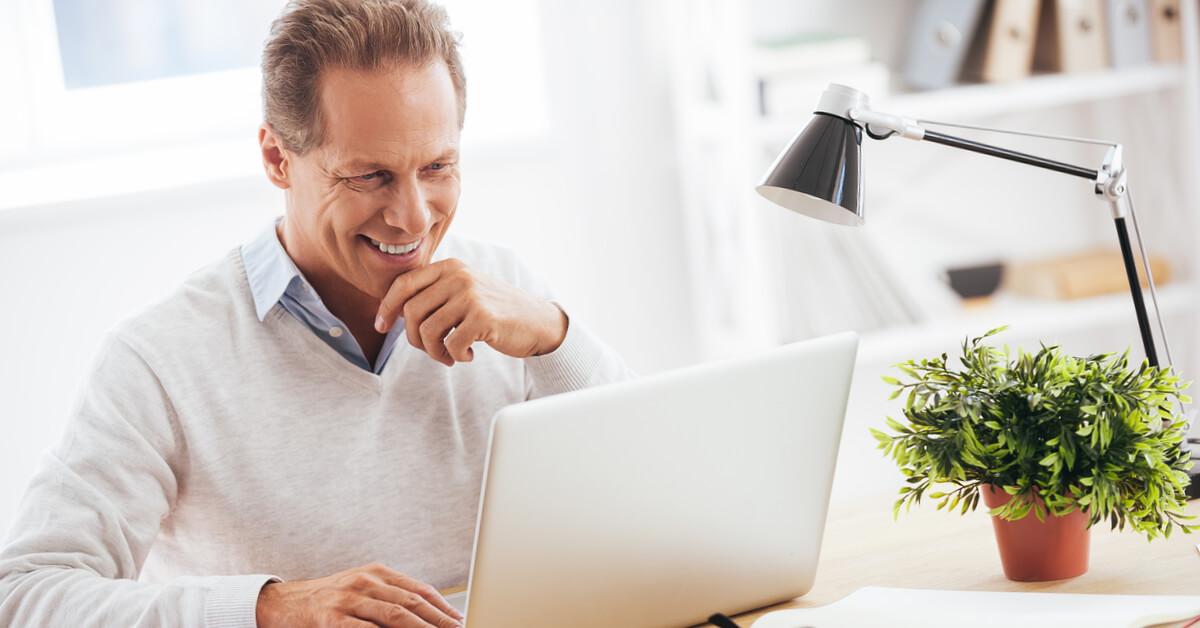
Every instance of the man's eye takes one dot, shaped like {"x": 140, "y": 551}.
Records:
{"x": 436, "y": 166}
{"x": 371, "y": 175}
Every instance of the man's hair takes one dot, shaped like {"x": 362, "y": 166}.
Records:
{"x": 362, "y": 35}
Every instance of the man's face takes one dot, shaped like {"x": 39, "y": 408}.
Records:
{"x": 376, "y": 198}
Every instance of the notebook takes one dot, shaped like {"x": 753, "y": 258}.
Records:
{"x": 915, "y": 608}
{"x": 663, "y": 500}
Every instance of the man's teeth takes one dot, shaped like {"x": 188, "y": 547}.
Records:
{"x": 395, "y": 249}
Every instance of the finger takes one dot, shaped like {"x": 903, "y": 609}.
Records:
{"x": 427, "y": 592}
{"x": 437, "y": 327}
{"x": 458, "y": 343}
{"x": 402, "y": 609}
{"x": 402, "y": 289}
{"x": 417, "y": 312}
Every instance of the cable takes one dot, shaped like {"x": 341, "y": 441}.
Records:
{"x": 721, "y": 621}
{"x": 878, "y": 136}
{"x": 1137, "y": 233}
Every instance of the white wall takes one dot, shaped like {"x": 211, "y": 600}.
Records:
{"x": 593, "y": 207}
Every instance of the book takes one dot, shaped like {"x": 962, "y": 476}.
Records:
{"x": 805, "y": 52}
{"x": 1077, "y": 276}
{"x": 1128, "y": 33}
{"x": 938, "y": 40}
{"x": 1003, "y": 49}
{"x": 1166, "y": 31}
{"x": 918, "y": 608}
{"x": 1072, "y": 37}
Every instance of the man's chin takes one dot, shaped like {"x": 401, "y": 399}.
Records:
{"x": 381, "y": 288}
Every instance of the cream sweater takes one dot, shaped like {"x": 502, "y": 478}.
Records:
{"x": 209, "y": 452}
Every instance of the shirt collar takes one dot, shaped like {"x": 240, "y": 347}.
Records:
{"x": 268, "y": 269}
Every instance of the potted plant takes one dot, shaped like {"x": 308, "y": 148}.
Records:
{"x": 1071, "y": 441}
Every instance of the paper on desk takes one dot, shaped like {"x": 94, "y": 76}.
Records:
{"x": 917, "y": 608}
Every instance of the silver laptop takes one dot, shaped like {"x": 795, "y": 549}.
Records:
{"x": 663, "y": 500}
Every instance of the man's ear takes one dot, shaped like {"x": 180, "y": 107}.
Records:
{"x": 275, "y": 158}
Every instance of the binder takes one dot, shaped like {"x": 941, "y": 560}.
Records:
{"x": 938, "y": 39}
{"x": 1166, "y": 31}
{"x": 1128, "y": 33}
{"x": 1072, "y": 37}
{"x": 1004, "y": 50}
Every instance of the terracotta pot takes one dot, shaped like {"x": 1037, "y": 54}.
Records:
{"x": 1033, "y": 550}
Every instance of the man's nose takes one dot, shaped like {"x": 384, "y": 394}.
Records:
{"x": 408, "y": 210}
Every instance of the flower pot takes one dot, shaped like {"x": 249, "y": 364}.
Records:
{"x": 1032, "y": 550}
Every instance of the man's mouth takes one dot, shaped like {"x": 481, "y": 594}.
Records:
{"x": 395, "y": 249}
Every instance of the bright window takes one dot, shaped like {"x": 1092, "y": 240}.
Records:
{"x": 102, "y": 77}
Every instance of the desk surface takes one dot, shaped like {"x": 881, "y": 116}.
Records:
{"x": 926, "y": 548}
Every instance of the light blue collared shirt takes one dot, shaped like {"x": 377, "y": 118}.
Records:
{"x": 275, "y": 278}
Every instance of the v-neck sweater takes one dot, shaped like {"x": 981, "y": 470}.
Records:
{"x": 209, "y": 452}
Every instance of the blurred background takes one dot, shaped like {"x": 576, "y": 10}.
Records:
{"x": 616, "y": 146}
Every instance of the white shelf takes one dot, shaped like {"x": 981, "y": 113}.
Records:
{"x": 1038, "y": 92}
{"x": 1026, "y": 317}
{"x": 969, "y": 102}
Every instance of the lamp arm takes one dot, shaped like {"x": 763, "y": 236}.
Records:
{"x": 912, "y": 129}
{"x": 1109, "y": 184}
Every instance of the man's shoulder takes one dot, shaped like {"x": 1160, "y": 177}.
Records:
{"x": 494, "y": 259}
{"x": 475, "y": 251}
{"x": 215, "y": 295}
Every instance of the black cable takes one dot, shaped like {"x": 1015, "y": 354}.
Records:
{"x": 878, "y": 136}
{"x": 721, "y": 621}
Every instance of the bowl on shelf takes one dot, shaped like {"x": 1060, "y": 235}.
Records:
{"x": 975, "y": 282}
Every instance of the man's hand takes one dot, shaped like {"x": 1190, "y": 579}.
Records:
{"x": 364, "y": 596}
{"x": 448, "y": 306}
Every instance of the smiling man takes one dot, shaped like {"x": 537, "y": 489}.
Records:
{"x": 296, "y": 436}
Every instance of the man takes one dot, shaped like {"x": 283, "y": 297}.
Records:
{"x": 296, "y": 436}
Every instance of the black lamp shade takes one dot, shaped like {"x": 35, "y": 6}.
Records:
{"x": 820, "y": 173}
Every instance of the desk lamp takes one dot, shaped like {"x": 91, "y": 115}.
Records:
{"x": 820, "y": 175}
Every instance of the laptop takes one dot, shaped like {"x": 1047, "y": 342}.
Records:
{"x": 662, "y": 500}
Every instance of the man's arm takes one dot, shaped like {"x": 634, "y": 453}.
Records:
{"x": 94, "y": 507}
{"x": 581, "y": 361}
{"x": 447, "y": 306}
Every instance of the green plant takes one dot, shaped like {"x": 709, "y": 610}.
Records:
{"x": 1086, "y": 433}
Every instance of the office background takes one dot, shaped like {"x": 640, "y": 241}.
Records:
{"x": 614, "y": 145}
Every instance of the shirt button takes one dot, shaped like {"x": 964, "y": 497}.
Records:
{"x": 305, "y": 286}
{"x": 336, "y": 332}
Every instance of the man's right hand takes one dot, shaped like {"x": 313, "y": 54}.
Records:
{"x": 372, "y": 595}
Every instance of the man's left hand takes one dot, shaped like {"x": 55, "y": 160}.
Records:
{"x": 448, "y": 306}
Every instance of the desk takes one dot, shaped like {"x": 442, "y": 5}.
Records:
{"x": 932, "y": 549}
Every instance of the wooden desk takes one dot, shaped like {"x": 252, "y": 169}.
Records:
{"x": 930, "y": 549}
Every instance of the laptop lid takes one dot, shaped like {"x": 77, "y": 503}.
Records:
{"x": 663, "y": 500}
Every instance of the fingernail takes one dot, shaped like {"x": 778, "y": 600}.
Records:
{"x": 379, "y": 324}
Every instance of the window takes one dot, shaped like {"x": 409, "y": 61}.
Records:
{"x": 102, "y": 77}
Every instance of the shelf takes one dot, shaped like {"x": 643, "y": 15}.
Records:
{"x": 1029, "y": 320}
{"x": 968, "y": 102}
{"x": 1038, "y": 92}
